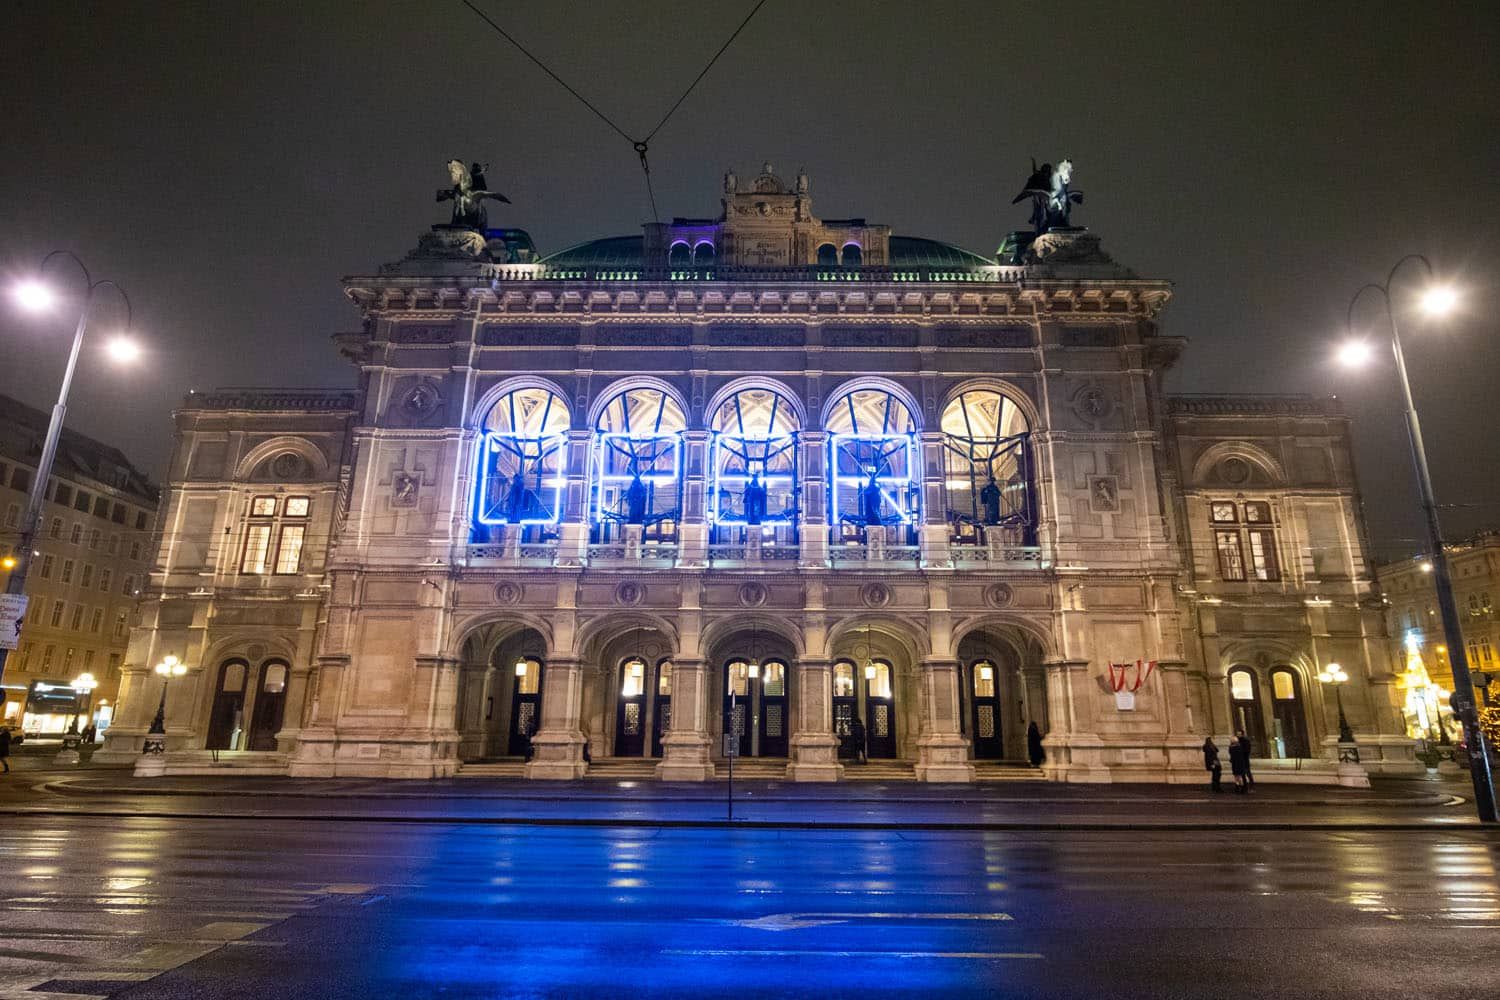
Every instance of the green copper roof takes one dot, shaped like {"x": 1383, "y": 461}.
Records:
{"x": 626, "y": 251}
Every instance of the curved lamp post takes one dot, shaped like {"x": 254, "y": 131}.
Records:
{"x": 1336, "y": 677}
{"x": 1436, "y": 301}
{"x": 156, "y": 736}
{"x": 36, "y": 296}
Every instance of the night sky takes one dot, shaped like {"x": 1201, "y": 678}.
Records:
{"x": 228, "y": 163}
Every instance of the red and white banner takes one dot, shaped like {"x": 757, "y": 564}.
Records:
{"x": 1126, "y": 684}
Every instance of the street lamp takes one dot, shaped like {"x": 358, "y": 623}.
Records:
{"x": 36, "y": 296}
{"x": 156, "y": 736}
{"x": 1335, "y": 676}
{"x": 1438, "y": 300}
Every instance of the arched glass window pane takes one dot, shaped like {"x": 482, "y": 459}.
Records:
{"x": 853, "y": 255}
{"x": 986, "y": 459}
{"x": 1283, "y": 685}
{"x": 522, "y": 458}
{"x": 1241, "y": 685}
{"x": 773, "y": 679}
{"x": 984, "y": 679}
{"x": 638, "y": 459}
{"x": 632, "y": 679}
{"x": 664, "y": 679}
{"x": 872, "y": 443}
{"x": 828, "y": 255}
{"x": 879, "y": 686}
{"x": 703, "y": 255}
{"x": 843, "y": 679}
{"x": 679, "y": 255}
{"x": 529, "y": 682}
{"x": 234, "y": 677}
{"x": 754, "y": 459}
{"x": 273, "y": 680}
{"x": 738, "y": 681}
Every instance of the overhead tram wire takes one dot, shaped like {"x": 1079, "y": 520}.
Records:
{"x": 641, "y": 146}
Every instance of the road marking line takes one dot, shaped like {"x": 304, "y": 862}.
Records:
{"x": 346, "y": 889}
{"x": 831, "y": 953}
{"x": 798, "y": 921}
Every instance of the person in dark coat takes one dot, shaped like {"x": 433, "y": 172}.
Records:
{"x": 1034, "y": 751}
{"x": 527, "y": 749}
{"x": 1239, "y": 763}
{"x": 1244, "y": 742}
{"x": 1211, "y": 763}
{"x": 857, "y": 737}
{"x": 5, "y": 748}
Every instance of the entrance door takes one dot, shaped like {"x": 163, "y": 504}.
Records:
{"x": 630, "y": 716}
{"x": 525, "y": 705}
{"x": 661, "y": 710}
{"x": 1287, "y": 714}
{"x": 985, "y": 703}
{"x": 270, "y": 706}
{"x": 1244, "y": 709}
{"x": 880, "y": 710}
{"x": 226, "y": 719}
{"x": 845, "y": 706}
{"x": 737, "y": 706}
{"x": 773, "y": 727}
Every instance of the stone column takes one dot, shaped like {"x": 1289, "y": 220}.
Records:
{"x": 473, "y": 680}
{"x": 933, "y": 528}
{"x": 815, "y": 750}
{"x": 692, "y": 529}
{"x": 573, "y": 532}
{"x": 314, "y": 754}
{"x": 557, "y": 747}
{"x": 815, "y": 514}
{"x": 135, "y": 705}
{"x": 295, "y": 710}
{"x": 685, "y": 746}
{"x": 942, "y": 750}
{"x": 1074, "y": 750}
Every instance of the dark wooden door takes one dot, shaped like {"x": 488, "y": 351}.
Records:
{"x": 226, "y": 715}
{"x": 845, "y": 706}
{"x": 630, "y": 711}
{"x": 1245, "y": 713}
{"x": 737, "y": 691}
{"x": 773, "y": 720}
{"x": 984, "y": 702}
{"x": 269, "y": 709}
{"x": 661, "y": 710}
{"x": 525, "y": 707}
{"x": 880, "y": 711}
{"x": 1287, "y": 713}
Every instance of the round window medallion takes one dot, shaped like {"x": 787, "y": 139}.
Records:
{"x": 288, "y": 465}
{"x": 507, "y": 592}
{"x": 1235, "y": 470}
{"x": 875, "y": 595}
{"x": 752, "y": 594}
{"x": 999, "y": 595}
{"x": 629, "y": 593}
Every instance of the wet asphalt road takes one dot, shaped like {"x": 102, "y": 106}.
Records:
{"x": 266, "y": 908}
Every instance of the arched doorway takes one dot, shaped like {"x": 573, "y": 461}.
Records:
{"x": 1245, "y": 713}
{"x": 880, "y": 709}
{"x": 525, "y": 704}
{"x": 1288, "y": 714}
{"x": 984, "y": 703}
{"x": 270, "y": 705}
{"x": 226, "y": 716}
{"x": 845, "y": 705}
{"x": 630, "y": 710}
{"x": 755, "y": 706}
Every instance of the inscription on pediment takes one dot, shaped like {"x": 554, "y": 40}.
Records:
{"x": 869, "y": 336}
{"x": 978, "y": 336}
{"x": 506, "y": 335}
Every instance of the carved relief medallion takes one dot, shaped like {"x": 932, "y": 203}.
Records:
{"x": 629, "y": 594}
{"x": 752, "y": 594}
{"x": 404, "y": 488}
{"x": 875, "y": 595}
{"x": 1104, "y": 494}
{"x": 289, "y": 465}
{"x": 999, "y": 595}
{"x": 508, "y": 592}
{"x": 1092, "y": 404}
{"x": 420, "y": 400}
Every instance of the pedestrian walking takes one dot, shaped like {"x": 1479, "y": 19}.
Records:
{"x": 857, "y": 737}
{"x": 1244, "y": 742}
{"x": 1211, "y": 763}
{"x": 5, "y": 748}
{"x": 1034, "y": 751}
{"x": 90, "y": 734}
{"x": 526, "y": 749}
{"x": 1239, "y": 763}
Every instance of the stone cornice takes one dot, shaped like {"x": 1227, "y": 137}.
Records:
{"x": 274, "y": 400}
{"x": 1248, "y": 405}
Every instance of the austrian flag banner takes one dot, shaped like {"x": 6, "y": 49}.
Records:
{"x": 1125, "y": 683}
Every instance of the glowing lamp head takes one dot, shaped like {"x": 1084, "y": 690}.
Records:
{"x": 521, "y": 667}
{"x": 171, "y": 666}
{"x": 1333, "y": 674}
{"x": 9, "y": 562}
{"x": 84, "y": 683}
{"x": 34, "y": 296}
{"x": 1355, "y": 353}
{"x": 122, "y": 349}
{"x": 869, "y": 671}
{"x": 754, "y": 670}
{"x": 1426, "y": 567}
{"x": 1440, "y": 300}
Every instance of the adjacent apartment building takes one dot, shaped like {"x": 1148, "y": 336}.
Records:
{"x": 95, "y": 548}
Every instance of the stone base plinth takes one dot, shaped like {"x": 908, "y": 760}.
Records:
{"x": 685, "y": 758}
{"x": 556, "y": 756}
{"x": 322, "y": 754}
{"x": 815, "y": 757}
{"x": 944, "y": 759}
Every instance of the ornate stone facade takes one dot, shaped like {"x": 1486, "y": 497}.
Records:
{"x": 766, "y": 474}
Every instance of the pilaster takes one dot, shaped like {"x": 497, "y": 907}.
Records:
{"x": 942, "y": 749}
{"x": 557, "y": 747}
{"x": 685, "y": 746}
{"x": 814, "y": 747}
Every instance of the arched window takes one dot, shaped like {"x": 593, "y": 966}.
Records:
{"x": 853, "y": 255}
{"x": 828, "y": 255}
{"x": 987, "y": 468}
{"x": 873, "y": 463}
{"x": 679, "y": 255}
{"x": 522, "y": 458}
{"x": 1287, "y": 714}
{"x": 1245, "y": 710}
{"x": 843, "y": 679}
{"x": 703, "y": 255}
{"x": 754, "y": 460}
{"x": 638, "y": 464}
{"x": 984, "y": 679}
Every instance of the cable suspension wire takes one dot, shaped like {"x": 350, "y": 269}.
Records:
{"x": 641, "y": 146}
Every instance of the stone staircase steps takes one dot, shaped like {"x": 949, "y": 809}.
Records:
{"x": 993, "y": 771}
{"x": 513, "y": 767}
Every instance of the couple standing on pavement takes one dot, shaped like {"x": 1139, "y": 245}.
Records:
{"x": 1239, "y": 763}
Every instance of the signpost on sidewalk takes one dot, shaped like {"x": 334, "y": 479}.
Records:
{"x": 731, "y": 749}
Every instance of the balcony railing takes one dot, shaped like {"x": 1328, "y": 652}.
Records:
{"x": 751, "y": 555}
{"x": 997, "y": 556}
{"x": 664, "y": 555}
{"x": 544, "y": 554}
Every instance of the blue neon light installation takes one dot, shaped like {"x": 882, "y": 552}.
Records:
{"x": 521, "y": 460}
{"x": 872, "y": 463}
{"x": 754, "y": 461}
{"x": 637, "y": 463}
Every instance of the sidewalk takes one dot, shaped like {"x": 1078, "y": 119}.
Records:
{"x": 88, "y": 791}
